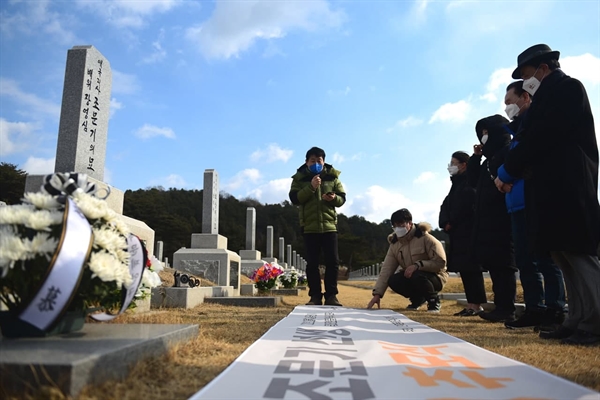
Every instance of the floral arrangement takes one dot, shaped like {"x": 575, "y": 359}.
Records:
{"x": 30, "y": 234}
{"x": 289, "y": 278}
{"x": 265, "y": 277}
{"x": 302, "y": 280}
{"x": 150, "y": 279}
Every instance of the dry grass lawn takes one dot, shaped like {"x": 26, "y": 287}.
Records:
{"x": 225, "y": 332}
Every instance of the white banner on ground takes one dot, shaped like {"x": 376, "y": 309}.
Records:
{"x": 342, "y": 353}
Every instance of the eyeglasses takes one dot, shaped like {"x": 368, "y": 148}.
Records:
{"x": 453, "y": 165}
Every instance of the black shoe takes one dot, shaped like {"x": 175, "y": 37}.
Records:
{"x": 333, "y": 301}
{"x": 582, "y": 338}
{"x": 415, "y": 304}
{"x": 561, "y": 333}
{"x": 468, "y": 312}
{"x": 315, "y": 301}
{"x": 551, "y": 320}
{"x": 433, "y": 305}
{"x": 529, "y": 319}
{"x": 497, "y": 316}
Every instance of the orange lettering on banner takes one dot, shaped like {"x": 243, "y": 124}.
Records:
{"x": 488, "y": 383}
{"x": 429, "y": 356}
{"x": 439, "y": 375}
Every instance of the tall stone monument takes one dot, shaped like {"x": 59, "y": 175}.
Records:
{"x": 208, "y": 256}
{"x": 270, "y": 258}
{"x": 83, "y": 130}
{"x": 251, "y": 258}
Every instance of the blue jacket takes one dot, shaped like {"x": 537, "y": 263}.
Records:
{"x": 515, "y": 200}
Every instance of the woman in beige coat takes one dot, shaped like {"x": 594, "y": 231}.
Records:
{"x": 414, "y": 266}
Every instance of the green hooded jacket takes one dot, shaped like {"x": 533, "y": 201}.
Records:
{"x": 317, "y": 215}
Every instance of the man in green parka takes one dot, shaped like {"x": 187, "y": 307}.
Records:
{"x": 317, "y": 191}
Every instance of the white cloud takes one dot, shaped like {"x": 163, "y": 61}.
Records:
{"x": 250, "y": 175}
{"x": 39, "y": 166}
{"x": 158, "y": 53}
{"x": 408, "y": 122}
{"x": 585, "y": 68}
{"x": 36, "y": 18}
{"x": 127, "y": 13}
{"x": 375, "y": 205}
{"x": 15, "y": 136}
{"x": 271, "y": 154}
{"x": 170, "y": 181}
{"x": 451, "y": 112}
{"x": 339, "y": 159}
{"x": 235, "y": 26}
{"x": 272, "y": 192}
{"x": 425, "y": 177}
{"x": 124, "y": 83}
{"x": 149, "y": 131}
{"x": 114, "y": 106}
{"x": 35, "y": 104}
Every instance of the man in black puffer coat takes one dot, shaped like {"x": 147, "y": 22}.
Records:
{"x": 492, "y": 242}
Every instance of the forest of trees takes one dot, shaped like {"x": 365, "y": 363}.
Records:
{"x": 175, "y": 214}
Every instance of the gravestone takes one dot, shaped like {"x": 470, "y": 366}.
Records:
{"x": 83, "y": 130}
{"x": 250, "y": 257}
{"x": 282, "y": 252}
{"x": 158, "y": 252}
{"x": 288, "y": 259}
{"x": 269, "y": 258}
{"x": 208, "y": 256}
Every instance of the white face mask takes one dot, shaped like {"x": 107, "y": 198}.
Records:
{"x": 400, "y": 231}
{"x": 532, "y": 84}
{"x": 484, "y": 139}
{"x": 453, "y": 169}
{"x": 512, "y": 110}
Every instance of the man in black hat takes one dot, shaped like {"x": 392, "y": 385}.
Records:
{"x": 558, "y": 158}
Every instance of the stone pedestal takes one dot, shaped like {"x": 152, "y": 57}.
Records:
{"x": 97, "y": 353}
{"x": 182, "y": 297}
{"x": 216, "y": 264}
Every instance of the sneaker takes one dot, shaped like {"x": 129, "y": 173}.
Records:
{"x": 561, "y": 333}
{"x": 497, "y": 316}
{"x": 468, "y": 312}
{"x": 415, "y": 304}
{"x": 433, "y": 305}
{"x": 529, "y": 319}
{"x": 333, "y": 301}
{"x": 551, "y": 320}
{"x": 315, "y": 301}
{"x": 582, "y": 338}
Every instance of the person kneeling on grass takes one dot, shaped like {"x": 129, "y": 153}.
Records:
{"x": 414, "y": 266}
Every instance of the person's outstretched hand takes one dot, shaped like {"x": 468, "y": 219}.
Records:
{"x": 375, "y": 300}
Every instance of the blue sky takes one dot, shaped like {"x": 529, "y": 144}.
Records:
{"x": 388, "y": 88}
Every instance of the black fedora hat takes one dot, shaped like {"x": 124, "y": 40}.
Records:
{"x": 531, "y": 54}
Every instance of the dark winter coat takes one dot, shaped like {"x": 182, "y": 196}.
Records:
{"x": 458, "y": 210}
{"x": 491, "y": 240}
{"x": 558, "y": 145}
{"x": 317, "y": 215}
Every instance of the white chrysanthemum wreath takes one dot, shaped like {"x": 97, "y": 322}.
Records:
{"x": 30, "y": 234}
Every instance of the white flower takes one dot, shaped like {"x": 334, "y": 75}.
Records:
{"x": 150, "y": 279}
{"x": 42, "y": 243}
{"x": 42, "y": 200}
{"x": 91, "y": 207}
{"x": 155, "y": 264}
{"x": 16, "y": 214}
{"x": 41, "y": 220}
{"x": 108, "y": 268}
{"x": 108, "y": 240}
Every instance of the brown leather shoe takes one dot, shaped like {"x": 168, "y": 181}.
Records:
{"x": 332, "y": 301}
{"x": 315, "y": 301}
